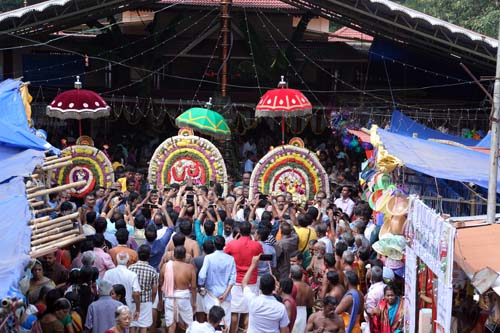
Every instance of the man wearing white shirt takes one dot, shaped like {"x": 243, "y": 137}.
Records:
{"x": 122, "y": 275}
{"x": 266, "y": 314}
{"x": 376, "y": 291}
{"x": 345, "y": 202}
{"x": 215, "y": 316}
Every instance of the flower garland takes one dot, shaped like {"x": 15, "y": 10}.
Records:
{"x": 290, "y": 168}
{"x": 185, "y": 157}
{"x": 90, "y": 164}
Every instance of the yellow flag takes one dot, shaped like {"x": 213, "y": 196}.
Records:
{"x": 27, "y": 98}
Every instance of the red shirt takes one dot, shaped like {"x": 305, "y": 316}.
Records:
{"x": 243, "y": 250}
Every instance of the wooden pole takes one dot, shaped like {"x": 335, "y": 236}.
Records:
{"x": 56, "y": 189}
{"x": 58, "y": 160}
{"x": 54, "y": 237}
{"x": 36, "y": 230}
{"x": 37, "y": 204}
{"x": 44, "y": 210}
{"x": 52, "y": 231}
{"x": 55, "y": 243}
{"x": 41, "y": 251}
{"x": 56, "y": 220}
{"x": 56, "y": 165}
{"x": 40, "y": 219}
{"x": 226, "y": 29}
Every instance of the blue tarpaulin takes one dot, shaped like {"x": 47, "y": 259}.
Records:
{"x": 485, "y": 142}
{"x": 439, "y": 160}
{"x": 20, "y": 151}
{"x": 404, "y": 125}
{"x": 12, "y": 107}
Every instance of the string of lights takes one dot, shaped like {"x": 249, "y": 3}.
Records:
{"x": 251, "y": 51}
{"x": 122, "y": 62}
{"x": 289, "y": 62}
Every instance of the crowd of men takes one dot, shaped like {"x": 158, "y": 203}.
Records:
{"x": 189, "y": 258}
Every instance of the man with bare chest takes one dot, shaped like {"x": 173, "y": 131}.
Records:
{"x": 304, "y": 299}
{"x": 326, "y": 321}
{"x": 192, "y": 248}
{"x": 178, "y": 285}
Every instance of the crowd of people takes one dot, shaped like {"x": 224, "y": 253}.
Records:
{"x": 188, "y": 258}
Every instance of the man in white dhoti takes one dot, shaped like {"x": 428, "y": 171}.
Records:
{"x": 218, "y": 275}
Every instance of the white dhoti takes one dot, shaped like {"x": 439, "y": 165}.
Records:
{"x": 301, "y": 320}
{"x": 178, "y": 308}
{"x": 238, "y": 302}
{"x": 145, "y": 316}
{"x": 199, "y": 303}
{"x": 209, "y": 300}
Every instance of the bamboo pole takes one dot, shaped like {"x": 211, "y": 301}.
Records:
{"x": 56, "y": 165}
{"x": 40, "y": 219}
{"x": 37, "y": 204}
{"x": 34, "y": 188}
{"x": 54, "y": 237}
{"x": 52, "y": 231}
{"x": 56, "y": 189}
{"x": 55, "y": 243}
{"x": 36, "y": 230}
{"x": 57, "y": 220}
{"x": 50, "y": 158}
{"x": 57, "y": 160}
{"x": 44, "y": 210}
{"x": 48, "y": 249}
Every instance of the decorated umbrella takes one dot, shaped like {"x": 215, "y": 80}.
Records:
{"x": 204, "y": 120}
{"x": 78, "y": 104}
{"x": 283, "y": 102}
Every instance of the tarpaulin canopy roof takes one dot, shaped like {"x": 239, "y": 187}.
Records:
{"x": 404, "y": 125}
{"x": 438, "y": 160}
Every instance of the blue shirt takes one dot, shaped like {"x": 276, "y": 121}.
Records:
{"x": 158, "y": 247}
{"x": 202, "y": 237}
{"x": 263, "y": 266}
{"x": 218, "y": 271}
{"x": 101, "y": 314}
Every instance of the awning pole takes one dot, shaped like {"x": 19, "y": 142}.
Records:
{"x": 492, "y": 181}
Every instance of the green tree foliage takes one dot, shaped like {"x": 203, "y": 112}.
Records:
{"x": 6, "y": 5}
{"x": 477, "y": 15}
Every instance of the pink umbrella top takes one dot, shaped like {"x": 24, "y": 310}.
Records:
{"x": 283, "y": 102}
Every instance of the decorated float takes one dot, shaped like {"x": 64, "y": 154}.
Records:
{"x": 187, "y": 157}
{"x": 290, "y": 168}
{"x": 88, "y": 163}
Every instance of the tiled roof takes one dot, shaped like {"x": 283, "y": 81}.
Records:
{"x": 347, "y": 34}
{"x": 236, "y": 3}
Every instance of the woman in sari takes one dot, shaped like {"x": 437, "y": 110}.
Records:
{"x": 388, "y": 316}
{"x": 38, "y": 282}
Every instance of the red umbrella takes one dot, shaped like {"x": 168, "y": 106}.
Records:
{"x": 283, "y": 102}
{"x": 78, "y": 104}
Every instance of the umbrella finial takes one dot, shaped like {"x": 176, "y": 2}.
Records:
{"x": 78, "y": 84}
{"x": 282, "y": 83}
{"x": 208, "y": 105}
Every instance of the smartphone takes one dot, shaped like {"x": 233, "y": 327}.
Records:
{"x": 189, "y": 188}
{"x": 190, "y": 199}
{"x": 266, "y": 257}
{"x": 219, "y": 328}
{"x": 263, "y": 197}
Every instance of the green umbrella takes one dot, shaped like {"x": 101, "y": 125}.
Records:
{"x": 204, "y": 120}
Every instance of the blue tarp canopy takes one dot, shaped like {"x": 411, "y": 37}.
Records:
{"x": 404, "y": 125}
{"x": 20, "y": 151}
{"x": 485, "y": 142}
{"x": 437, "y": 159}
